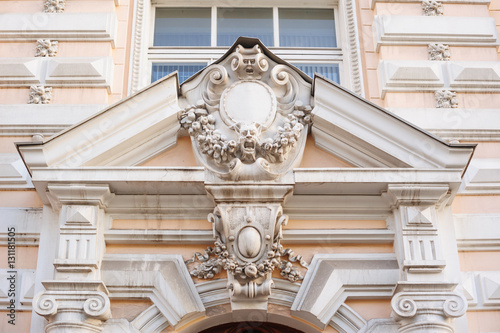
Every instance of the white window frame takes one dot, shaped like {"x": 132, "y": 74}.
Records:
{"x": 144, "y": 53}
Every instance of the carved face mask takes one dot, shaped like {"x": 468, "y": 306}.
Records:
{"x": 248, "y": 141}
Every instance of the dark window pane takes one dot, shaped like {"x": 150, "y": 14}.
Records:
{"x": 182, "y": 27}
{"x": 249, "y": 22}
{"x": 330, "y": 71}
{"x": 307, "y": 27}
{"x": 186, "y": 70}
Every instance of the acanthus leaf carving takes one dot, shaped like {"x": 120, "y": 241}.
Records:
{"x": 40, "y": 95}
{"x": 54, "y": 6}
{"x": 46, "y": 48}
{"x": 446, "y": 99}
{"x": 439, "y": 52}
{"x": 432, "y": 8}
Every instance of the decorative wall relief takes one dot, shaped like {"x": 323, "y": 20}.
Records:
{"x": 446, "y": 99}
{"x": 432, "y": 8}
{"x": 248, "y": 244}
{"x": 46, "y": 48}
{"x": 439, "y": 52}
{"x": 248, "y": 113}
{"x": 40, "y": 95}
{"x": 248, "y": 248}
{"x": 248, "y": 117}
{"x": 54, "y": 6}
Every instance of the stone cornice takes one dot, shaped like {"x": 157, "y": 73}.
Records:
{"x": 191, "y": 180}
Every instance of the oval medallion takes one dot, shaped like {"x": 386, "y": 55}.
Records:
{"x": 249, "y": 242}
{"x": 248, "y": 102}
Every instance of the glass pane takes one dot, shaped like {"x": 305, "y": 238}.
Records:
{"x": 186, "y": 70}
{"x": 249, "y": 22}
{"x": 330, "y": 71}
{"x": 182, "y": 27}
{"x": 307, "y": 27}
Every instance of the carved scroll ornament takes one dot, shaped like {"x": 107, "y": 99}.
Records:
{"x": 249, "y": 114}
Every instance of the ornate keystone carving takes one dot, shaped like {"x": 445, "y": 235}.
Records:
{"x": 54, "y": 6}
{"x": 439, "y": 52}
{"x": 248, "y": 243}
{"x": 446, "y": 99}
{"x": 421, "y": 307}
{"x": 46, "y": 48}
{"x": 248, "y": 116}
{"x": 432, "y": 8}
{"x": 73, "y": 305}
{"x": 40, "y": 95}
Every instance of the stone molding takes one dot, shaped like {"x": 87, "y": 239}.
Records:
{"x": 478, "y": 2}
{"x": 455, "y": 123}
{"x": 25, "y": 285}
{"x": 20, "y": 71}
{"x": 153, "y": 113}
{"x": 13, "y": 173}
{"x": 291, "y": 236}
{"x": 45, "y": 119}
{"x": 332, "y": 278}
{"x": 428, "y": 75}
{"x": 163, "y": 279}
{"x": 27, "y": 222}
{"x": 80, "y": 194}
{"x": 477, "y": 232}
{"x": 88, "y": 27}
{"x": 482, "y": 290}
{"x": 423, "y": 30}
{"x": 344, "y": 134}
{"x": 482, "y": 177}
{"x": 57, "y": 72}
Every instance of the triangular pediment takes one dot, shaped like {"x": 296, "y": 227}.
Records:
{"x": 147, "y": 124}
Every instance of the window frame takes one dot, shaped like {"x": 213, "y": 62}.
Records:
{"x": 145, "y": 53}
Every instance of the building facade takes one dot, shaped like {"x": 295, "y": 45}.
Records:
{"x": 273, "y": 166}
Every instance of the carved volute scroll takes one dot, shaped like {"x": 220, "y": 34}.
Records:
{"x": 248, "y": 117}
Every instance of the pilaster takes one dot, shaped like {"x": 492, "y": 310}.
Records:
{"x": 423, "y": 301}
{"x": 76, "y": 300}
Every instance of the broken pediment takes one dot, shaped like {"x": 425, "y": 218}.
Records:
{"x": 249, "y": 111}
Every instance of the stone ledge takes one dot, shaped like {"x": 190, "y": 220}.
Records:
{"x": 85, "y": 27}
{"x": 45, "y": 119}
{"x": 423, "y": 30}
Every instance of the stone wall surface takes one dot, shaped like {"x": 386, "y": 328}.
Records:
{"x": 357, "y": 222}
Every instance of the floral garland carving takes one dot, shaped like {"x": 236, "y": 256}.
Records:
{"x": 216, "y": 259}
{"x": 201, "y": 126}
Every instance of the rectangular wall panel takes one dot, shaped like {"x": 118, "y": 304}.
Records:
{"x": 89, "y": 27}
{"x": 422, "y": 30}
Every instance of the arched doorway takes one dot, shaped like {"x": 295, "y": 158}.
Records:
{"x": 251, "y": 327}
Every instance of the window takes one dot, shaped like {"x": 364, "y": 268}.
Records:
{"x": 188, "y": 39}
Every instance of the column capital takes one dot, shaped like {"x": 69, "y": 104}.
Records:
{"x": 427, "y": 306}
{"x": 79, "y": 306}
{"x": 79, "y": 194}
{"x": 416, "y": 194}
